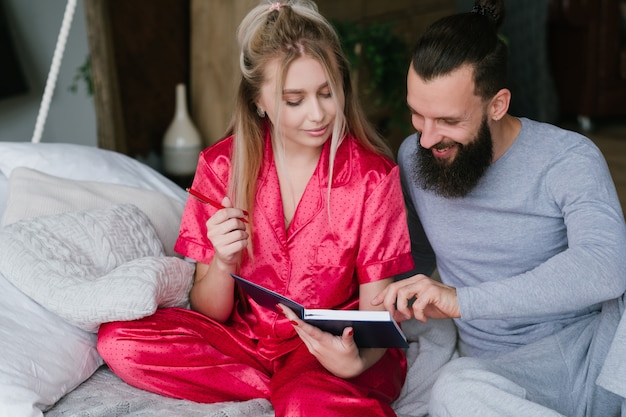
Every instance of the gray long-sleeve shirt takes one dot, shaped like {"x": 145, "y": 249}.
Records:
{"x": 537, "y": 245}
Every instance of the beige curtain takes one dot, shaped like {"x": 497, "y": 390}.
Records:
{"x": 215, "y": 63}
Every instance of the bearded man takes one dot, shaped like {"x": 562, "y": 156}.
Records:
{"x": 523, "y": 223}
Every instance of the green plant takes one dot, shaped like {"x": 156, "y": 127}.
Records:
{"x": 83, "y": 73}
{"x": 379, "y": 61}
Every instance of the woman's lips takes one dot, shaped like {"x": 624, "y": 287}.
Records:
{"x": 318, "y": 132}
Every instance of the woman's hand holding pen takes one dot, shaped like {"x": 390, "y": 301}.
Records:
{"x": 338, "y": 354}
{"x": 227, "y": 232}
{"x": 212, "y": 291}
{"x": 206, "y": 200}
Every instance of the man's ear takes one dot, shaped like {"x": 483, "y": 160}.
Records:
{"x": 499, "y": 104}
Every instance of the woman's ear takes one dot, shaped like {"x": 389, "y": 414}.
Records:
{"x": 499, "y": 104}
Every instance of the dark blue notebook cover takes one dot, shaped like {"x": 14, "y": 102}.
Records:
{"x": 371, "y": 328}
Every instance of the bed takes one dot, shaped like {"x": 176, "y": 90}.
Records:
{"x": 86, "y": 237}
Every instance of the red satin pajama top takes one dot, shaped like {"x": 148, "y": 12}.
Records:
{"x": 317, "y": 262}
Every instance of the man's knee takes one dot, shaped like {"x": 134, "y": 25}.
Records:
{"x": 469, "y": 387}
{"x": 452, "y": 386}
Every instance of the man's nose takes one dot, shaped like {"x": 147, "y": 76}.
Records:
{"x": 428, "y": 135}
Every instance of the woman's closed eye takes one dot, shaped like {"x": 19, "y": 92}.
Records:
{"x": 293, "y": 100}
{"x": 293, "y": 103}
{"x": 296, "y": 100}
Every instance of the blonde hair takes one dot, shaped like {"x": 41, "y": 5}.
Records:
{"x": 285, "y": 31}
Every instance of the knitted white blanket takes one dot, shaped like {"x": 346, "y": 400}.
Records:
{"x": 93, "y": 266}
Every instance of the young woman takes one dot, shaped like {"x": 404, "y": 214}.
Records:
{"x": 312, "y": 209}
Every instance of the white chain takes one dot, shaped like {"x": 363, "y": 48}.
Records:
{"x": 54, "y": 70}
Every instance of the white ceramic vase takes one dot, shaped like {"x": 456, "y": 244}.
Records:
{"x": 182, "y": 142}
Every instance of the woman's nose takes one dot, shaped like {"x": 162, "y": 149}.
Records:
{"x": 316, "y": 111}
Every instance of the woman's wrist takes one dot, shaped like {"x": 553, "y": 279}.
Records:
{"x": 366, "y": 359}
{"x": 369, "y": 356}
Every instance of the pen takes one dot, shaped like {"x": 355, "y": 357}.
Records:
{"x": 206, "y": 200}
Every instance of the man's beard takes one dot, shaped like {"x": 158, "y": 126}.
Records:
{"x": 459, "y": 177}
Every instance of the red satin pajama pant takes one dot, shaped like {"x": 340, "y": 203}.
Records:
{"x": 183, "y": 354}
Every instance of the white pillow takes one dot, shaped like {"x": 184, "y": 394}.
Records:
{"x": 43, "y": 356}
{"x": 4, "y": 189}
{"x": 32, "y": 194}
{"x": 86, "y": 163}
{"x": 94, "y": 266}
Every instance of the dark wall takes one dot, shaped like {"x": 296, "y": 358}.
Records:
{"x": 12, "y": 80}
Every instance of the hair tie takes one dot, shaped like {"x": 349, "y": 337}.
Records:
{"x": 484, "y": 11}
{"x": 275, "y": 6}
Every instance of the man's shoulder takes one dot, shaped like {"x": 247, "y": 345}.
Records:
{"x": 409, "y": 143}
{"x": 408, "y": 149}
{"x": 551, "y": 135}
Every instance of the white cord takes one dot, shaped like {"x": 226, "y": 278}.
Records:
{"x": 54, "y": 70}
